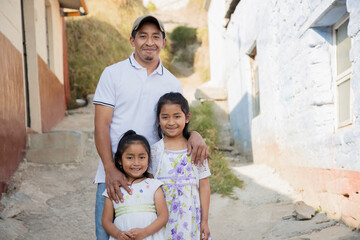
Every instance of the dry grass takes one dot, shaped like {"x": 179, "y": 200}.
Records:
{"x": 97, "y": 41}
{"x": 222, "y": 180}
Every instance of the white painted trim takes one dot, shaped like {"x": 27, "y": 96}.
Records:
{"x": 339, "y": 79}
{"x": 321, "y": 12}
{"x": 251, "y": 48}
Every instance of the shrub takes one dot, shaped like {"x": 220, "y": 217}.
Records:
{"x": 183, "y": 36}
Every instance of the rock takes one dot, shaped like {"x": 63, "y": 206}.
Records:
{"x": 287, "y": 217}
{"x": 80, "y": 102}
{"x": 15, "y": 204}
{"x": 302, "y": 211}
{"x": 322, "y": 218}
{"x": 211, "y": 93}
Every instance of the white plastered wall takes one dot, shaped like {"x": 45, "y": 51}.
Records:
{"x": 54, "y": 39}
{"x": 10, "y": 22}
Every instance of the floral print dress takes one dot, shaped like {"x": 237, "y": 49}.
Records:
{"x": 180, "y": 184}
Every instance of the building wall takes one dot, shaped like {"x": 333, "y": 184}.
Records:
{"x": 296, "y": 130}
{"x": 52, "y": 97}
{"x": 44, "y": 31}
{"x": 12, "y": 107}
{"x": 10, "y": 19}
{"x": 53, "y": 55}
{"x": 46, "y": 89}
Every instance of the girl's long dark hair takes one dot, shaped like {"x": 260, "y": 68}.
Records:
{"x": 130, "y": 137}
{"x": 173, "y": 98}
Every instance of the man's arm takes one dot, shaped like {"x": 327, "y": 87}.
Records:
{"x": 113, "y": 177}
{"x": 198, "y": 148}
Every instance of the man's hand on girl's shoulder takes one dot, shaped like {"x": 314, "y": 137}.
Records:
{"x": 197, "y": 147}
{"x": 114, "y": 179}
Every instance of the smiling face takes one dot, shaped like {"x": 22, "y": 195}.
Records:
{"x": 172, "y": 120}
{"x": 135, "y": 160}
{"x": 148, "y": 43}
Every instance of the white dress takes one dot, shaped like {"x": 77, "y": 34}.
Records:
{"x": 138, "y": 210}
{"x": 181, "y": 189}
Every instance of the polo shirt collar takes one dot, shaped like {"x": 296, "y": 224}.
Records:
{"x": 159, "y": 70}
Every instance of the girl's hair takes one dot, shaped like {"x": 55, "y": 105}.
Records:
{"x": 130, "y": 137}
{"x": 173, "y": 98}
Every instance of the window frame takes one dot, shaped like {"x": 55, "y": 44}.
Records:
{"x": 255, "y": 80}
{"x": 342, "y": 77}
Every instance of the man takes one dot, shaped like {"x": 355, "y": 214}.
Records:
{"x": 126, "y": 98}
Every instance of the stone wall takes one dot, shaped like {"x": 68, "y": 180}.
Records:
{"x": 297, "y": 126}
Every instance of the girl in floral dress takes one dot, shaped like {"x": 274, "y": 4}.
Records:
{"x": 143, "y": 214}
{"x": 186, "y": 186}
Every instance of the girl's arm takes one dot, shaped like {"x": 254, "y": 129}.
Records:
{"x": 107, "y": 222}
{"x": 204, "y": 190}
{"x": 161, "y": 220}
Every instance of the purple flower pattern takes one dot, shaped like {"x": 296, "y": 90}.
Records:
{"x": 182, "y": 196}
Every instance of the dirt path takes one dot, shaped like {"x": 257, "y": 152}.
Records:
{"x": 58, "y": 200}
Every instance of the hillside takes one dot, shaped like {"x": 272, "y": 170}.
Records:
{"x": 102, "y": 38}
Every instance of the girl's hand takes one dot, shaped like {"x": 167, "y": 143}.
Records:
{"x": 197, "y": 146}
{"x": 123, "y": 235}
{"x": 138, "y": 233}
{"x": 204, "y": 231}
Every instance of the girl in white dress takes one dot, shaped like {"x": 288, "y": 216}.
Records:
{"x": 143, "y": 214}
{"x": 186, "y": 186}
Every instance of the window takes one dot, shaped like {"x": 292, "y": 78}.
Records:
{"x": 343, "y": 69}
{"x": 255, "y": 82}
{"x": 49, "y": 36}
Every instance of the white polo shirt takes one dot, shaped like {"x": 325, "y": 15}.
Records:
{"x": 126, "y": 87}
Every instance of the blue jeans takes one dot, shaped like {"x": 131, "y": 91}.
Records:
{"x": 101, "y": 234}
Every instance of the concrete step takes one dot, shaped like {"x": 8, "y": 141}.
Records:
{"x": 57, "y": 146}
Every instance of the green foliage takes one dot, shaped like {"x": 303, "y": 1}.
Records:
{"x": 166, "y": 55}
{"x": 319, "y": 209}
{"x": 183, "y": 36}
{"x": 151, "y": 6}
{"x": 222, "y": 180}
